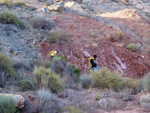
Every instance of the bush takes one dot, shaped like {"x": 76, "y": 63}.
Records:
{"x": 7, "y": 104}
{"x": 66, "y": 70}
{"x": 26, "y": 85}
{"x": 86, "y": 81}
{"x": 7, "y": 2}
{"x": 40, "y": 22}
{"x": 145, "y": 102}
{"x": 57, "y": 36}
{"x": 105, "y": 78}
{"x": 9, "y": 18}
{"x": 20, "y": 4}
{"x": 6, "y": 65}
{"x": 144, "y": 84}
{"x": 131, "y": 83}
{"x": 132, "y": 47}
{"x": 47, "y": 78}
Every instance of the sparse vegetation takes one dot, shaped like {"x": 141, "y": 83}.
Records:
{"x": 144, "y": 84}
{"x": 7, "y": 104}
{"x": 7, "y": 17}
{"x": 132, "y": 47}
{"x": 20, "y": 4}
{"x": 148, "y": 14}
{"x": 104, "y": 78}
{"x": 41, "y": 23}
{"x": 93, "y": 35}
{"x": 119, "y": 35}
{"x": 6, "y": 66}
{"x": 145, "y": 102}
{"x": 57, "y": 36}
{"x": 72, "y": 109}
{"x": 46, "y": 78}
{"x": 127, "y": 0}
{"x": 86, "y": 81}
{"x": 96, "y": 97}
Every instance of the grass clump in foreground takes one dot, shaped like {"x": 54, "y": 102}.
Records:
{"x": 7, "y": 104}
{"x": 46, "y": 78}
{"x": 144, "y": 84}
{"x": 132, "y": 47}
{"x": 7, "y": 17}
{"x": 145, "y": 102}
{"x": 43, "y": 100}
{"x": 105, "y": 78}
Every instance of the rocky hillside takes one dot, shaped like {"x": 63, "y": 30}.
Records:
{"x": 105, "y": 28}
{"x": 117, "y": 31}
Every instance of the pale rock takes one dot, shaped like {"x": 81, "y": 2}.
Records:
{"x": 103, "y": 103}
{"x": 56, "y": 7}
{"x": 86, "y": 54}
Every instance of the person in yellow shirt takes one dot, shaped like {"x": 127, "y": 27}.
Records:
{"x": 93, "y": 63}
{"x": 53, "y": 53}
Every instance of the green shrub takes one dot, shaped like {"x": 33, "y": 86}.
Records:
{"x": 26, "y": 85}
{"x": 47, "y": 78}
{"x": 144, "y": 84}
{"x": 96, "y": 97}
{"x": 132, "y": 47}
{"x": 6, "y": 65}
{"x": 86, "y": 81}
{"x": 76, "y": 70}
{"x": 9, "y": 18}
{"x": 7, "y": 104}
{"x": 93, "y": 35}
{"x": 104, "y": 78}
{"x": 57, "y": 36}
{"x": 145, "y": 102}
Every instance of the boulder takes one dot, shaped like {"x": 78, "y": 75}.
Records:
{"x": 18, "y": 98}
{"x": 104, "y": 103}
{"x": 56, "y": 7}
{"x": 42, "y": 10}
